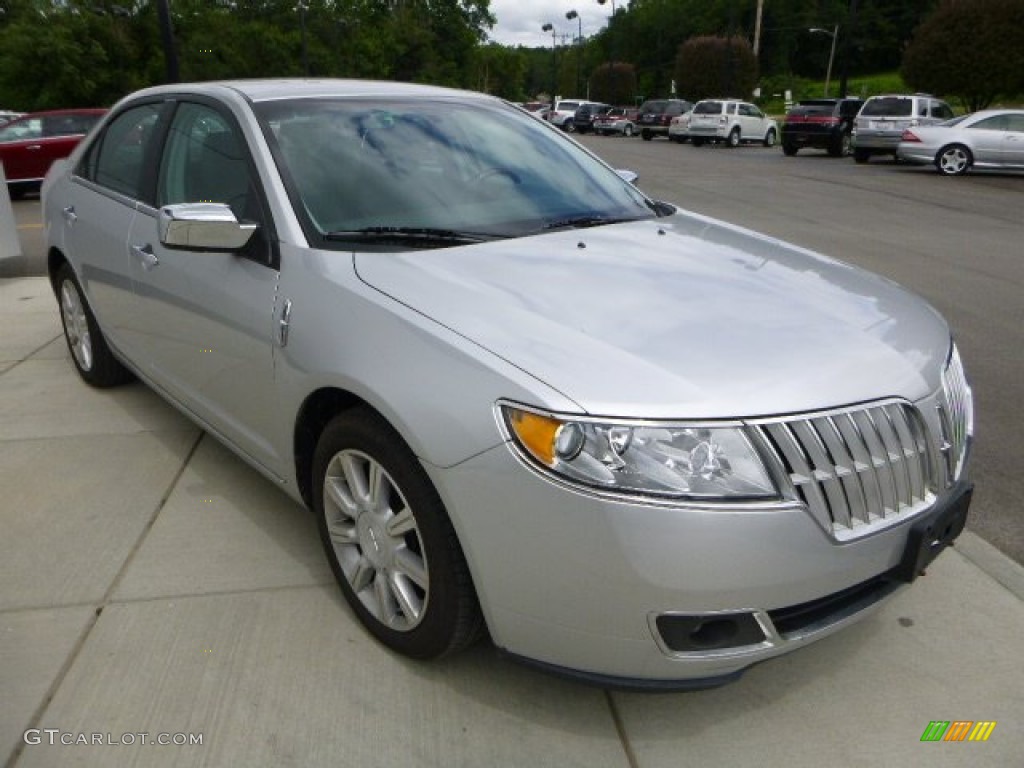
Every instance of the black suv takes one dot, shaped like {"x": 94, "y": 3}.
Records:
{"x": 820, "y": 123}
{"x": 656, "y": 114}
{"x": 583, "y": 119}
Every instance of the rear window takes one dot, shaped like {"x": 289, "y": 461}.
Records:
{"x": 814, "y": 110}
{"x": 888, "y": 106}
{"x": 653, "y": 107}
{"x": 708, "y": 108}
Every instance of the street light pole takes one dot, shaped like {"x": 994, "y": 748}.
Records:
{"x": 301, "y": 8}
{"x": 163, "y": 11}
{"x": 832, "y": 54}
{"x": 579, "y": 48}
{"x": 554, "y": 66}
{"x": 611, "y": 53}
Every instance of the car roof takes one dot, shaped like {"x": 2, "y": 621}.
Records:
{"x": 286, "y": 88}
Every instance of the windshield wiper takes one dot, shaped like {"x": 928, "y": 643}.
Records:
{"x": 582, "y": 222}
{"x": 421, "y": 234}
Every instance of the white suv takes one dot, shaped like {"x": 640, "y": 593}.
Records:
{"x": 564, "y": 111}
{"x": 731, "y": 122}
{"x": 881, "y": 121}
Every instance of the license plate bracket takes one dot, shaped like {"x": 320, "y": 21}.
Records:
{"x": 933, "y": 533}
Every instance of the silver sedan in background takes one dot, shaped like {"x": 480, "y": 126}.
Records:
{"x": 992, "y": 138}
{"x": 639, "y": 445}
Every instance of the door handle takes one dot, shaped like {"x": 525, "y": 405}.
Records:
{"x": 69, "y": 215}
{"x": 284, "y": 323}
{"x": 32, "y": 147}
{"x": 145, "y": 255}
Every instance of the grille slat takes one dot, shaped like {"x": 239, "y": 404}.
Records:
{"x": 957, "y": 415}
{"x": 856, "y": 468}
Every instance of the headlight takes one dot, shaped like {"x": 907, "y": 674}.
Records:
{"x": 671, "y": 459}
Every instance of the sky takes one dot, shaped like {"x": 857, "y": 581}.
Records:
{"x": 520, "y": 21}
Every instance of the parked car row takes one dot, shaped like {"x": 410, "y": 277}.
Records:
{"x": 913, "y": 128}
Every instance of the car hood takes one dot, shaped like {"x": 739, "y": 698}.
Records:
{"x": 681, "y": 317}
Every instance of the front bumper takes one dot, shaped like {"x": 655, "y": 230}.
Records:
{"x": 590, "y": 585}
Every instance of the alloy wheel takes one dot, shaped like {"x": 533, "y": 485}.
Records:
{"x": 376, "y": 540}
{"x": 76, "y": 324}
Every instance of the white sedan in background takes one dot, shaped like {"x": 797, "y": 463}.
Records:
{"x": 992, "y": 138}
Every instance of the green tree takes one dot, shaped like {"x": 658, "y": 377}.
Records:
{"x": 715, "y": 66}
{"x": 972, "y": 50}
{"x": 613, "y": 83}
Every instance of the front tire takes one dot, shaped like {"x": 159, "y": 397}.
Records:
{"x": 389, "y": 540}
{"x": 769, "y": 138}
{"x": 646, "y": 135}
{"x": 789, "y": 150}
{"x": 954, "y": 160}
{"x": 842, "y": 146}
{"x": 92, "y": 357}
{"x": 861, "y": 156}
{"x": 734, "y": 138}
{"x": 627, "y": 131}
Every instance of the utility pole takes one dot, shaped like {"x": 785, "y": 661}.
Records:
{"x": 167, "y": 36}
{"x": 851, "y": 32}
{"x": 757, "y": 27}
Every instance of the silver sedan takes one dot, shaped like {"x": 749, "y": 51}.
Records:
{"x": 992, "y": 138}
{"x": 638, "y": 445}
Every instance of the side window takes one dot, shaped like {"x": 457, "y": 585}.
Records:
{"x": 1015, "y": 123}
{"x": 117, "y": 159}
{"x": 942, "y": 111}
{"x": 922, "y": 108}
{"x": 205, "y": 161}
{"x": 23, "y": 130}
{"x": 994, "y": 123}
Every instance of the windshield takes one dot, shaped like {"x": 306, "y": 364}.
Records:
{"x": 462, "y": 169}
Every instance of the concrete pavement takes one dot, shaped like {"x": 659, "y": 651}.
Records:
{"x": 153, "y": 584}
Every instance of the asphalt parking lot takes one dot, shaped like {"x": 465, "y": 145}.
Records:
{"x": 154, "y": 584}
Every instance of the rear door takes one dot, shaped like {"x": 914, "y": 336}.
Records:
{"x": 106, "y": 187}
{"x": 20, "y": 147}
{"x": 1013, "y": 141}
{"x": 988, "y": 140}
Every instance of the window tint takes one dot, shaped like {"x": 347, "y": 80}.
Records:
{"x": 1015, "y": 123}
{"x": 708, "y": 108}
{"x": 116, "y": 160}
{"x": 994, "y": 123}
{"x": 888, "y": 106}
{"x": 20, "y": 130}
{"x": 941, "y": 110}
{"x": 205, "y": 161}
{"x": 68, "y": 125}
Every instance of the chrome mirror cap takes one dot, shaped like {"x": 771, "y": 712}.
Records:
{"x": 203, "y": 227}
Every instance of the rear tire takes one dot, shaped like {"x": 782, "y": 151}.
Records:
{"x": 842, "y": 146}
{"x": 954, "y": 160}
{"x": 861, "y": 156}
{"x": 769, "y": 138}
{"x": 389, "y": 540}
{"x": 92, "y": 357}
{"x": 789, "y": 150}
{"x": 697, "y": 142}
{"x": 646, "y": 135}
{"x": 627, "y": 131}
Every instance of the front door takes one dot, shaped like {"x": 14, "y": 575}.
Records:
{"x": 208, "y": 317}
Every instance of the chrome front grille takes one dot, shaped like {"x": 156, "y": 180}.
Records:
{"x": 858, "y": 468}
{"x": 956, "y": 416}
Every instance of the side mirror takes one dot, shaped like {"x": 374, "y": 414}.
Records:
{"x": 202, "y": 227}
{"x": 630, "y": 176}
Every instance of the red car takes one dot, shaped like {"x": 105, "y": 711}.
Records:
{"x": 30, "y": 144}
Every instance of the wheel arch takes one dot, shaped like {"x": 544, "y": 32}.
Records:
{"x": 55, "y": 259}
{"x": 313, "y": 416}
